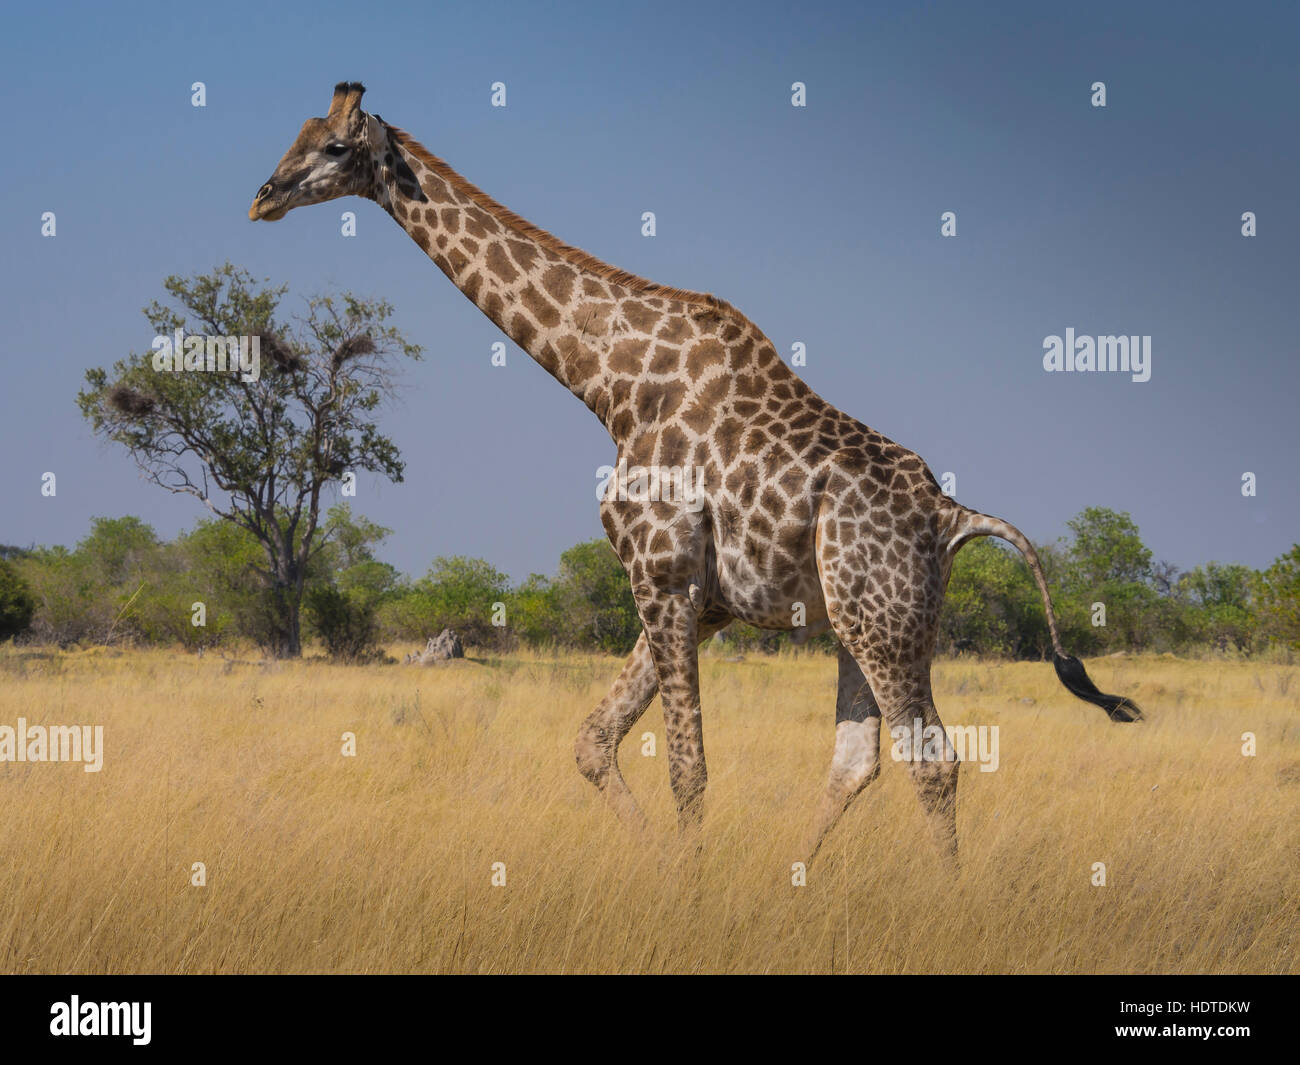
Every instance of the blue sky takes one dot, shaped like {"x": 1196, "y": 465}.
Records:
{"x": 821, "y": 223}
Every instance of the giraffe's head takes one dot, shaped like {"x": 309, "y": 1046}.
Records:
{"x": 332, "y": 157}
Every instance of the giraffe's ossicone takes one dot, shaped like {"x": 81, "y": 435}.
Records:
{"x": 754, "y": 499}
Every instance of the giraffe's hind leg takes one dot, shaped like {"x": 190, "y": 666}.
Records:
{"x": 856, "y": 762}
{"x": 906, "y": 702}
{"x": 628, "y": 697}
{"x": 884, "y": 591}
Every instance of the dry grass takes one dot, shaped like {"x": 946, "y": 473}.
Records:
{"x": 383, "y": 862}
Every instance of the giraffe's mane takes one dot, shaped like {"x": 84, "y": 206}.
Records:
{"x": 576, "y": 256}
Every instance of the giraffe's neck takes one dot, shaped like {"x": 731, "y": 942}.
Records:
{"x": 548, "y": 305}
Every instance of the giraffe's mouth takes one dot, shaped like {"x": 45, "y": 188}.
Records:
{"x": 261, "y": 214}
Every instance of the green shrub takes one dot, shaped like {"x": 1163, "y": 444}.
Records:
{"x": 17, "y": 607}
{"x": 344, "y": 624}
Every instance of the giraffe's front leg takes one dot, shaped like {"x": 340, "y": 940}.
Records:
{"x": 602, "y": 732}
{"x": 671, "y": 631}
{"x": 608, "y": 725}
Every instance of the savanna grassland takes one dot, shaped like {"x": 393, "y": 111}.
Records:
{"x": 383, "y": 862}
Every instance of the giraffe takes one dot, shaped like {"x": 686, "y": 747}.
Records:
{"x": 802, "y": 512}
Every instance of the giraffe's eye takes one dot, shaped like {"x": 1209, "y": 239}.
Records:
{"x": 336, "y": 149}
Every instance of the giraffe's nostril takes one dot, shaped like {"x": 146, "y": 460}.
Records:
{"x": 264, "y": 191}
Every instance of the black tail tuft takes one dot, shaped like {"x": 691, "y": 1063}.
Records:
{"x": 1076, "y": 679}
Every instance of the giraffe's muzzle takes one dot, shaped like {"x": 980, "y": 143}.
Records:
{"x": 267, "y": 205}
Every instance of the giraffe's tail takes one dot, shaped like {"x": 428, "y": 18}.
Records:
{"x": 968, "y": 526}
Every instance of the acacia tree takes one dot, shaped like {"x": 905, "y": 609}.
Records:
{"x": 258, "y": 447}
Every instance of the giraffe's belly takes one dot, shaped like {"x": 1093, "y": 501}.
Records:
{"x": 762, "y": 585}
